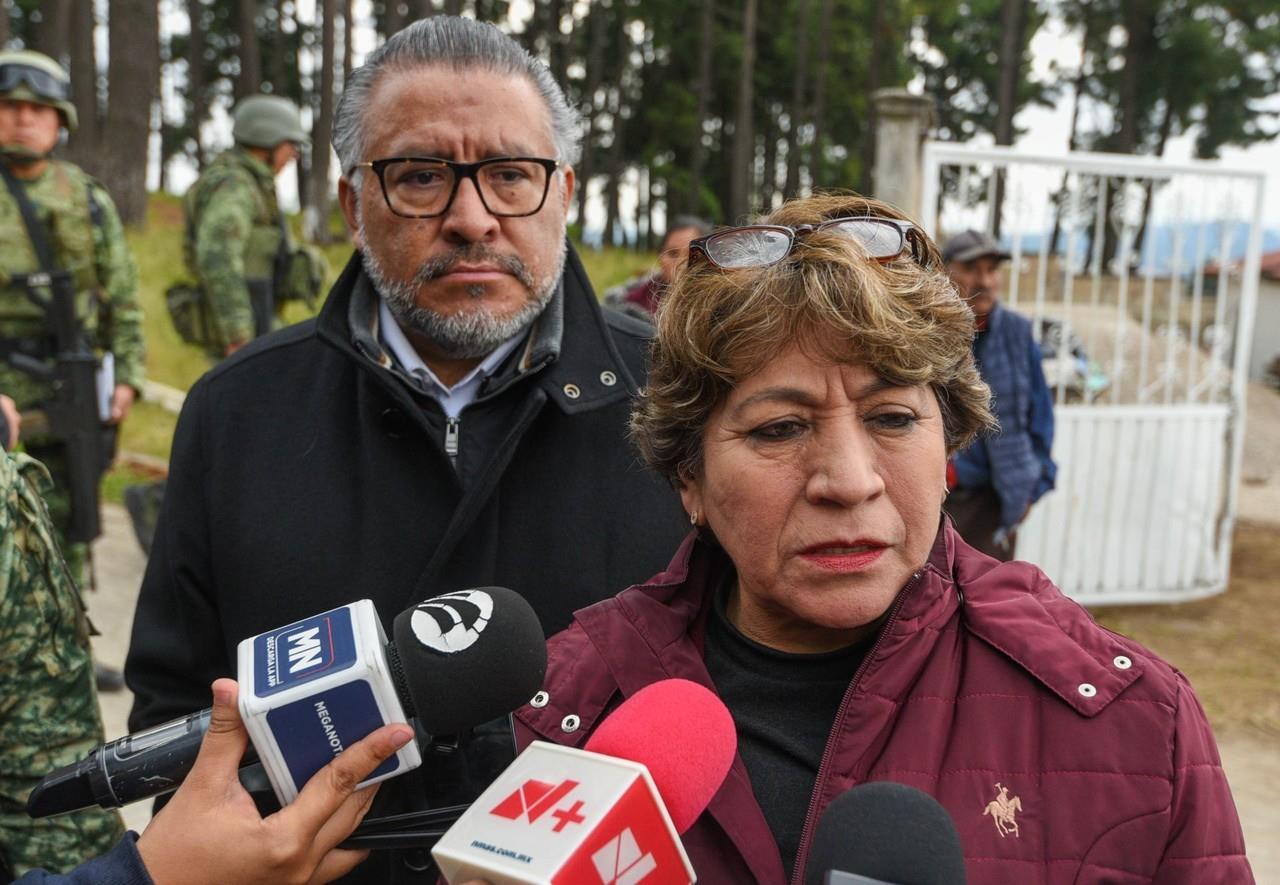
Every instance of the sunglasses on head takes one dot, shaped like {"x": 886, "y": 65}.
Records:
{"x": 760, "y": 245}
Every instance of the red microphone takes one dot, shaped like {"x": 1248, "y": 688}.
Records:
{"x": 610, "y": 813}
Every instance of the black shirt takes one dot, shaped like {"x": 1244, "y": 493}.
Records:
{"x": 783, "y": 706}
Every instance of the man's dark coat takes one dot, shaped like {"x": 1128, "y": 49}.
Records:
{"x": 305, "y": 475}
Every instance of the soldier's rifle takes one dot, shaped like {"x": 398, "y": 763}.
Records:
{"x": 72, "y": 415}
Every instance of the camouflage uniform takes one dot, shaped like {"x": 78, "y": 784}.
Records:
{"x": 88, "y": 240}
{"x": 48, "y": 710}
{"x": 234, "y": 230}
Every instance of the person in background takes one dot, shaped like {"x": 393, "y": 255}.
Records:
{"x": 643, "y": 296}
{"x": 48, "y": 708}
{"x": 77, "y": 223}
{"x": 237, "y": 244}
{"x": 995, "y": 480}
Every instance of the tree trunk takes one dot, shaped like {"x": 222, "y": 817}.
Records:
{"x": 692, "y": 201}
{"x": 52, "y": 33}
{"x": 195, "y": 75}
{"x": 596, "y": 38}
{"x": 393, "y": 18}
{"x": 651, "y": 233}
{"x": 557, "y": 45}
{"x": 743, "y": 141}
{"x": 348, "y": 38}
{"x": 795, "y": 113}
{"x": 641, "y": 214}
{"x": 1013, "y": 19}
{"x": 1139, "y": 25}
{"x": 881, "y": 38}
{"x": 6, "y": 30}
{"x": 422, "y": 9}
{"x": 250, "y": 79}
{"x": 453, "y": 7}
{"x": 133, "y": 36}
{"x": 765, "y": 198}
{"x": 818, "y": 157}
{"x": 1166, "y": 129}
{"x": 317, "y": 216}
{"x": 279, "y": 54}
{"x": 1081, "y": 79}
{"x": 611, "y": 188}
{"x": 85, "y": 147}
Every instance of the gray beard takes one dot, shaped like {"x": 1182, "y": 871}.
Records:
{"x": 468, "y": 334}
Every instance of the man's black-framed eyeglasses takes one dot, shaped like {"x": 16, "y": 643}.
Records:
{"x": 38, "y": 80}
{"x": 760, "y": 245}
{"x": 425, "y": 187}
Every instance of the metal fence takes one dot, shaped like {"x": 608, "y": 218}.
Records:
{"x": 1140, "y": 277}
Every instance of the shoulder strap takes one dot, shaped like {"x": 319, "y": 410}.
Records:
{"x": 96, "y": 215}
{"x": 35, "y": 231}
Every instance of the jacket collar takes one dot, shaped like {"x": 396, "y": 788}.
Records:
{"x": 258, "y": 169}
{"x": 569, "y": 350}
{"x": 644, "y": 634}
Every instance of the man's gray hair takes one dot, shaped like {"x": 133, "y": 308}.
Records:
{"x": 461, "y": 44}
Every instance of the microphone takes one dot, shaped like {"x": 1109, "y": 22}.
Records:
{"x": 610, "y": 813}
{"x": 311, "y": 688}
{"x": 884, "y": 833}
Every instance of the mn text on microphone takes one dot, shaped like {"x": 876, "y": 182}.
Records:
{"x": 610, "y": 813}
{"x": 313, "y": 687}
{"x": 885, "y": 833}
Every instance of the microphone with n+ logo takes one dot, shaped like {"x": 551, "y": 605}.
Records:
{"x": 312, "y": 688}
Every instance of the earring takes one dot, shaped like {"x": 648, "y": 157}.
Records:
{"x": 693, "y": 518}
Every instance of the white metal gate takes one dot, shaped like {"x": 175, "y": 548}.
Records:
{"x": 1150, "y": 421}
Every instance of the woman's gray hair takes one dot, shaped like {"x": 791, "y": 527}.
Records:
{"x": 461, "y": 44}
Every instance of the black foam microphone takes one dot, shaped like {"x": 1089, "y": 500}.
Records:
{"x": 310, "y": 688}
{"x": 883, "y": 833}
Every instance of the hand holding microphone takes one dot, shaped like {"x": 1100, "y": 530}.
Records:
{"x": 212, "y": 832}
{"x": 313, "y": 687}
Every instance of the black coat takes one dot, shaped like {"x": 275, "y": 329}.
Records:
{"x": 305, "y": 476}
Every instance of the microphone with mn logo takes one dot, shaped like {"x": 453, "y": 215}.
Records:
{"x": 311, "y": 688}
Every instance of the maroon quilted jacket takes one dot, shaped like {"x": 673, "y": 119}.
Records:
{"x": 986, "y": 686}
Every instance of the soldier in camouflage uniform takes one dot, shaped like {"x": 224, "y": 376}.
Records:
{"x": 237, "y": 244}
{"x": 87, "y": 240}
{"x": 48, "y": 710}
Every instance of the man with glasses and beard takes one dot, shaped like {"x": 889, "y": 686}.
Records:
{"x": 455, "y": 417}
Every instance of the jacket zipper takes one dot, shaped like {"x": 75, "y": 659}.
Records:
{"x": 452, "y": 429}
{"x": 806, "y": 834}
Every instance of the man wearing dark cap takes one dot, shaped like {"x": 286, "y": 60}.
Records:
{"x": 995, "y": 480}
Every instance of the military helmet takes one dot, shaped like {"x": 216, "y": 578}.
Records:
{"x": 33, "y": 76}
{"x": 267, "y": 120}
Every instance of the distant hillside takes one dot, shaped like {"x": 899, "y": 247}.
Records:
{"x": 1166, "y": 242}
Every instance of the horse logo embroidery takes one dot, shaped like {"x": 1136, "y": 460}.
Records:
{"x": 1002, "y": 810}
